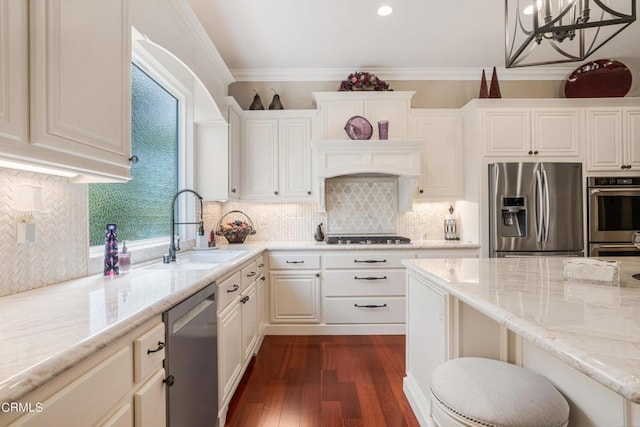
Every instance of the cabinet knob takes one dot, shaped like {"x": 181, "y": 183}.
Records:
{"x": 530, "y": 152}
{"x": 317, "y": 274}
{"x": 535, "y": 153}
{"x": 309, "y": 193}
{"x": 169, "y": 381}
{"x": 233, "y": 190}
{"x": 623, "y": 167}
{"x": 421, "y": 191}
{"x": 275, "y": 192}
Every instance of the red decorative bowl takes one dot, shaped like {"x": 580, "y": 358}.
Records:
{"x": 602, "y": 78}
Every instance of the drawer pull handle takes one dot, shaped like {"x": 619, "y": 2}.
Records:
{"x": 370, "y": 278}
{"x": 235, "y": 288}
{"x": 253, "y": 273}
{"x": 295, "y": 262}
{"x": 370, "y": 306}
{"x": 158, "y": 348}
{"x": 260, "y": 265}
{"x": 370, "y": 261}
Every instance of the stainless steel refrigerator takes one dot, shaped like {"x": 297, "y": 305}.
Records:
{"x": 535, "y": 209}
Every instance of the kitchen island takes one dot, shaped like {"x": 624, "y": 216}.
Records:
{"x": 585, "y": 338}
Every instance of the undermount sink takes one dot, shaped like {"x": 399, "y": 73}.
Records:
{"x": 207, "y": 257}
{"x": 199, "y": 260}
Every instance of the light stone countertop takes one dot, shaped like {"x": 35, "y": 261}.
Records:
{"x": 593, "y": 328}
{"x": 46, "y": 331}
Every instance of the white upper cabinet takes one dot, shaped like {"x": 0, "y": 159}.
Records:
{"x": 613, "y": 139}
{"x": 276, "y": 155}
{"x": 14, "y": 74}
{"x": 336, "y": 108}
{"x": 441, "y": 154}
{"x": 532, "y": 132}
{"x": 75, "y": 57}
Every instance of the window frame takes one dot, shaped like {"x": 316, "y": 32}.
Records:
{"x": 171, "y": 82}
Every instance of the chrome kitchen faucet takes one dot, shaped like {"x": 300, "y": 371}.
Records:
{"x": 172, "y": 246}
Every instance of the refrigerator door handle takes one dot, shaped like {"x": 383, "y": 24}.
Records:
{"x": 546, "y": 205}
{"x": 539, "y": 207}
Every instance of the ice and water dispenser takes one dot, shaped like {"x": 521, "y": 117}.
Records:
{"x": 514, "y": 217}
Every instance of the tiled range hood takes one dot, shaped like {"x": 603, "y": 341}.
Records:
{"x": 399, "y": 158}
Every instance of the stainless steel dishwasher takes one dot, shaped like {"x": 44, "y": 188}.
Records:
{"x": 191, "y": 361}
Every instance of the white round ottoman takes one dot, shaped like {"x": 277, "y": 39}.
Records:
{"x": 472, "y": 391}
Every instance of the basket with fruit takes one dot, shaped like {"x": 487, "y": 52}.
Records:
{"x": 237, "y": 230}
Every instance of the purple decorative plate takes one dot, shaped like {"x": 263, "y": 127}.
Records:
{"x": 601, "y": 78}
{"x": 358, "y": 127}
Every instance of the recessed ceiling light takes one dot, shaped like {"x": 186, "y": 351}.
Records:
{"x": 385, "y": 10}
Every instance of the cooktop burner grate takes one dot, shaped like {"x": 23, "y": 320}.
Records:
{"x": 367, "y": 240}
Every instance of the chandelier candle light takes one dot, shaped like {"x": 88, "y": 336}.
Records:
{"x": 542, "y": 32}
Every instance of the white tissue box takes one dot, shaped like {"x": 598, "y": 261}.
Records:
{"x": 590, "y": 270}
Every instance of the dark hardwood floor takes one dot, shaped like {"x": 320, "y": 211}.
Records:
{"x": 325, "y": 381}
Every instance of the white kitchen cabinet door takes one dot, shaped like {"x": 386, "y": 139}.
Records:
{"x": 631, "y": 134}
{"x": 605, "y": 150}
{"x": 14, "y": 73}
{"x": 229, "y": 350}
{"x": 260, "y": 159}
{"x": 557, "y": 131}
{"x": 150, "y": 401}
{"x": 394, "y": 111}
{"x": 506, "y": 132}
{"x": 295, "y": 296}
{"x": 212, "y": 154}
{"x": 249, "y": 306}
{"x": 294, "y": 158}
{"x": 235, "y": 123}
{"x": 263, "y": 307}
{"x": 334, "y": 115}
{"x": 441, "y": 155}
{"x": 80, "y": 106}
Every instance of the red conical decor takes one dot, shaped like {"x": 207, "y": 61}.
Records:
{"x": 494, "y": 89}
{"x": 484, "y": 91}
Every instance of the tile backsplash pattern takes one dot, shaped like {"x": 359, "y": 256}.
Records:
{"x": 361, "y": 205}
{"x": 60, "y": 250}
{"x": 298, "y": 221}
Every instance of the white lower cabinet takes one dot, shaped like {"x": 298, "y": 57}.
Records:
{"x": 364, "y": 287}
{"x": 239, "y": 333}
{"x": 103, "y": 389}
{"x": 229, "y": 351}
{"x": 294, "y": 281}
{"x": 427, "y": 340}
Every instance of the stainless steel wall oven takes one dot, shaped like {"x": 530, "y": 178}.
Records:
{"x": 613, "y": 215}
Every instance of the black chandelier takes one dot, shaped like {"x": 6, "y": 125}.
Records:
{"x": 542, "y": 32}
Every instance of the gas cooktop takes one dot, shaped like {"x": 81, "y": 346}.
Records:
{"x": 367, "y": 240}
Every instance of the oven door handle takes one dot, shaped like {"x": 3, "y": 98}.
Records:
{"x": 614, "y": 190}
{"x": 616, "y": 247}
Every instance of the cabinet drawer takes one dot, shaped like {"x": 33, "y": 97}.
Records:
{"x": 228, "y": 289}
{"x": 148, "y": 352}
{"x": 364, "y": 310}
{"x": 360, "y": 283}
{"x": 77, "y": 405}
{"x": 292, "y": 261}
{"x": 249, "y": 275}
{"x": 366, "y": 259}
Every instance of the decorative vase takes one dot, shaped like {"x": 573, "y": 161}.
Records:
{"x": 111, "y": 250}
{"x": 276, "y": 104}
{"x": 484, "y": 91}
{"x": 383, "y": 129}
{"x": 494, "y": 89}
{"x": 257, "y": 102}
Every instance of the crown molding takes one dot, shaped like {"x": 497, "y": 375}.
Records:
{"x": 445, "y": 73}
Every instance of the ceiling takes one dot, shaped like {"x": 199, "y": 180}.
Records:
{"x": 323, "y": 40}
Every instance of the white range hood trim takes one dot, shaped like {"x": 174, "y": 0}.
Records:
{"x": 347, "y": 157}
